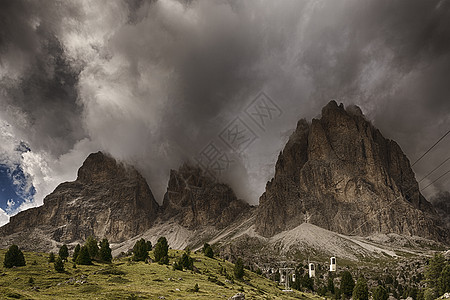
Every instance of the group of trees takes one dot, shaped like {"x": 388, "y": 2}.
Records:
{"x": 437, "y": 277}
{"x": 84, "y": 255}
{"x": 140, "y": 250}
{"x": 437, "y": 280}
{"x": 184, "y": 262}
{"x": 160, "y": 251}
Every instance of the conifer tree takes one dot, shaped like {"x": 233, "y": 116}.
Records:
{"x": 105, "y": 251}
{"x": 140, "y": 252}
{"x": 380, "y": 293}
{"x": 239, "y": 269}
{"x": 149, "y": 246}
{"x": 63, "y": 252}
{"x": 14, "y": 257}
{"x": 51, "y": 257}
{"x": 83, "y": 257}
{"x": 59, "y": 265}
{"x": 75, "y": 252}
{"x": 361, "y": 291}
{"x": 91, "y": 244}
{"x": 347, "y": 284}
{"x": 161, "y": 250}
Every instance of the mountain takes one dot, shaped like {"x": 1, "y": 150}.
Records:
{"x": 339, "y": 172}
{"x": 108, "y": 199}
{"x": 193, "y": 199}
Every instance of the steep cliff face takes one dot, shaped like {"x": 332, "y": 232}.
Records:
{"x": 340, "y": 173}
{"x": 194, "y": 199}
{"x": 108, "y": 199}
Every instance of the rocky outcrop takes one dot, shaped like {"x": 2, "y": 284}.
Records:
{"x": 194, "y": 199}
{"x": 108, "y": 199}
{"x": 340, "y": 173}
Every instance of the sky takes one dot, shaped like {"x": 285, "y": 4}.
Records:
{"x": 216, "y": 83}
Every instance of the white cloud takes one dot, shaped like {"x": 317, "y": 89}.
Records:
{"x": 4, "y": 218}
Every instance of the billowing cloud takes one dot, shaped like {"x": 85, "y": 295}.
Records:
{"x": 154, "y": 82}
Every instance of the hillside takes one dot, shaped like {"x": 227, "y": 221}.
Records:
{"x": 124, "y": 279}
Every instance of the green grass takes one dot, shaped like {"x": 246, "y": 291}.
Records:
{"x": 133, "y": 280}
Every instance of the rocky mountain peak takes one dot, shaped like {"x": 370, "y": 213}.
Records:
{"x": 108, "y": 199}
{"x": 99, "y": 167}
{"x": 340, "y": 173}
{"x": 195, "y": 199}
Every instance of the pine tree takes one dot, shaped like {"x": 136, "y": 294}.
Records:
{"x": 434, "y": 269}
{"x": 91, "y": 244}
{"x": 161, "y": 249}
{"x": 83, "y": 257}
{"x": 186, "y": 261}
{"x": 330, "y": 285}
{"x": 380, "y": 293}
{"x": 51, "y": 257}
{"x": 347, "y": 283}
{"x": 64, "y": 252}
{"x": 239, "y": 269}
{"x": 361, "y": 291}
{"x": 75, "y": 252}
{"x": 149, "y": 246}
{"x": 59, "y": 265}
{"x": 105, "y": 251}
{"x": 444, "y": 280}
{"x": 140, "y": 252}
{"x": 208, "y": 251}
{"x": 14, "y": 257}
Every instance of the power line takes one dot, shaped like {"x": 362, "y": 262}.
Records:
{"x": 436, "y": 179}
{"x": 403, "y": 194}
{"x": 431, "y": 172}
{"x": 426, "y": 152}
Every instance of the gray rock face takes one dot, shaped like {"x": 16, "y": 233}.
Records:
{"x": 108, "y": 199}
{"x": 194, "y": 199}
{"x": 340, "y": 173}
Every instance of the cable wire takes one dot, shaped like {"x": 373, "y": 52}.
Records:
{"x": 431, "y": 172}
{"x": 436, "y": 179}
{"x": 426, "y": 152}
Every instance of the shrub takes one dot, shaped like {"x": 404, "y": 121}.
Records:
{"x": 51, "y": 257}
{"x": 14, "y": 257}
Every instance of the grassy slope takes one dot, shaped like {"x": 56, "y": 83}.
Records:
{"x": 145, "y": 281}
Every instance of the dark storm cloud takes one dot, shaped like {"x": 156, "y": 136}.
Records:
{"x": 152, "y": 82}
{"x": 40, "y": 83}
